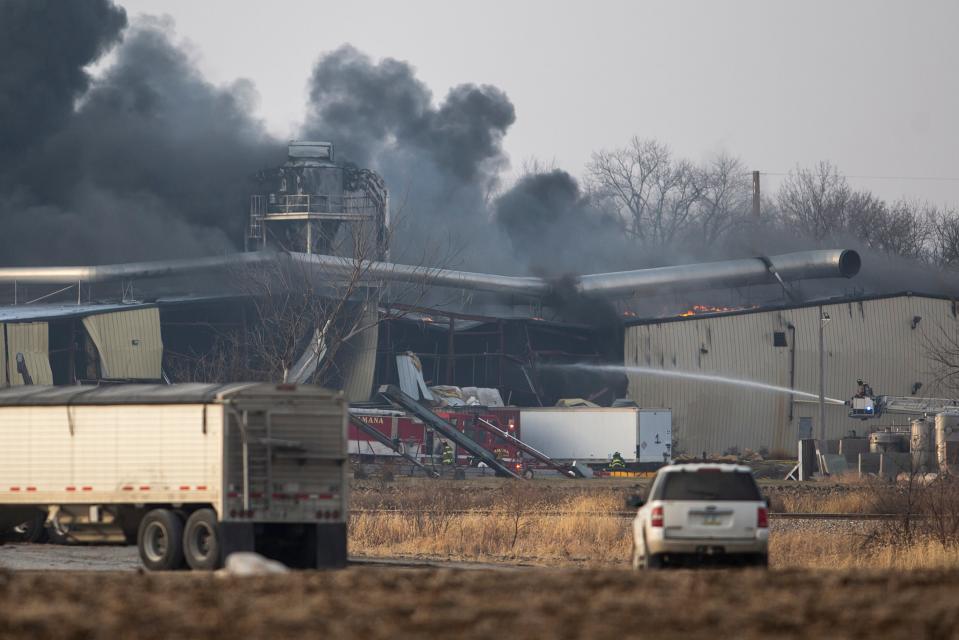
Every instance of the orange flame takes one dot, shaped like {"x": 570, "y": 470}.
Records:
{"x": 699, "y": 309}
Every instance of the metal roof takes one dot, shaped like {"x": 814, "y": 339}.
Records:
{"x": 35, "y": 312}
{"x": 32, "y": 312}
{"x": 813, "y": 302}
{"x": 192, "y": 393}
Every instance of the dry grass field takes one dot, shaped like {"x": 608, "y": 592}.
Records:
{"x": 585, "y": 524}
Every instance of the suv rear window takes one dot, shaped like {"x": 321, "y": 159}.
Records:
{"x": 709, "y": 485}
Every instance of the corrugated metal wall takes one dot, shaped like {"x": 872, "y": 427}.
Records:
{"x": 32, "y": 339}
{"x": 128, "y": 342}
{"x": 873, "y": 339}
{"x": 359, "y": 356}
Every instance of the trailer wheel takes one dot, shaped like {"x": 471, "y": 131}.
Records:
{"x": 32, "y": 531}
{"x": 201, "y": 541}
{"x": 528, "y": 473}
{"x": 160, "y": 541}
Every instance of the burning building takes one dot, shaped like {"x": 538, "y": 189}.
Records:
{"x": 316, "y": 299}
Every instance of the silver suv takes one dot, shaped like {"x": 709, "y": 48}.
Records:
{"x": 699, "y": 513}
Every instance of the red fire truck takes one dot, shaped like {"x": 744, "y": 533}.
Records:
{"x": 422, "y": 443}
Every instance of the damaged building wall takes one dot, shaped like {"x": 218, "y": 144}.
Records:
{"x": 358, "y": 356}
{"x": 878, "y": 340}
{"x": 129, "y": 343}
{"x": 32, "y": 340}
{"x": 511, "y": 355}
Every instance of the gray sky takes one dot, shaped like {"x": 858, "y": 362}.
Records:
{"x": 870, "y": 86}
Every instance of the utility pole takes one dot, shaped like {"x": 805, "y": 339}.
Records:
{"x": 755, "y": 194}
{"x": 823, "y": 319}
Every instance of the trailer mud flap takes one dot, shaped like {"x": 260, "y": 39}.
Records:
{"x": 234, "y": 537}
{"x": 331, "y": 545}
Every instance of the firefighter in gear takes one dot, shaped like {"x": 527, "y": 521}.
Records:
{"x": 617, "y": 463}
{"x": 447, "y": 455}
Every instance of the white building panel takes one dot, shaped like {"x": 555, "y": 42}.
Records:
{"x": 581, "y": 433}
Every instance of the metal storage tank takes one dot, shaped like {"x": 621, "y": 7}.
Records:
{"x": 922, "y": 445}
{"x": 887, "y": 442}
{"x": 947, "y": 441}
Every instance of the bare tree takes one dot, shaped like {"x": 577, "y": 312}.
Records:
{"x": 725, "y": 198}
{"x": 312, "y": 316}
{"x": 906, "y": 229}
{"x": 945, "y": 243}
{"x": 654, "y": 195}
{"x": 820, "y": 202}
{"x": 942, "y": 352}
{"x": 815, "y": 201}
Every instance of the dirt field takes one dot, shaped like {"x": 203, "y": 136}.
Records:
{"x": 823, "y": 582}
{"x": 370, "y": 603}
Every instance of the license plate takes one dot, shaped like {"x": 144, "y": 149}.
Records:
{"x": 712, "y": 519}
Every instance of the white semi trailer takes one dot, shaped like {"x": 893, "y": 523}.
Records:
{"x": 191, "y": 472}
{"x": 593, "y": 434}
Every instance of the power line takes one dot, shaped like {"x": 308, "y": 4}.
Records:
{"x": 926, "y": 178}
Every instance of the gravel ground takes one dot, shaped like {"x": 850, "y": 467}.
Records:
{"x": 848, "y": 527}
{"x": 51, "y": 557}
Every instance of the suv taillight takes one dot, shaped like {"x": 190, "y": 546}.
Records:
{"x": 656, "y": 519}
{"x": 762, "y": 518}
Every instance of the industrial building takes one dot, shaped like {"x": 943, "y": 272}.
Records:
{"x": 317, "y": 235}
{"x": 883, "y": 340}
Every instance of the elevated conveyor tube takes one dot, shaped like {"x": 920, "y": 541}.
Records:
{"x": 830, "y": 263}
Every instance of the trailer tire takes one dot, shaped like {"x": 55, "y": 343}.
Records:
{"x": 528, "y": 474}
{"x": 201, "y": 541}
{"x": 160, "y": 541}
{"x": 32, "y": 531}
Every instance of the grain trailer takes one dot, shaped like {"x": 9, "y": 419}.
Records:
{"x": 191, "y": 472}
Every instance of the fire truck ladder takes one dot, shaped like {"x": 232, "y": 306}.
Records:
{"x": 912, "y": 405}
{"x": 873, "y": 407}
{"x": 566, "y": 470}
{"x": 382, "y": 439}
{"x": 396, "y": 397}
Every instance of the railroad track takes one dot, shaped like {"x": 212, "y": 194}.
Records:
{"x": 416, "y": 563}
{"x": 617, "y": 514}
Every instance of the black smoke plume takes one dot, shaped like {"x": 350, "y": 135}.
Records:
{"x": 44, "y": 46}
{"x": 441, "y": 162}
{"x": 556, "y": 230}
{"x": 149, "y": 161}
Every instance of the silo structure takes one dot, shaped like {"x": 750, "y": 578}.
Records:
{"x": 947, "y": 441}
{"x": 922, "y": 445}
